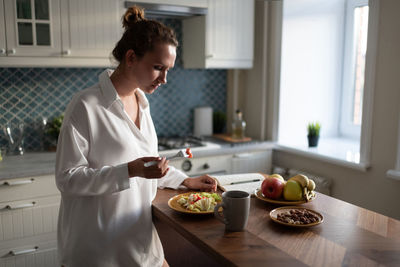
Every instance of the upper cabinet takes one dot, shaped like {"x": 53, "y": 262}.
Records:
{"x": 2, "y": 31}
{"x": 70, "y": 33}
{"x": 90, "y": 28}
{"x": 64, "y": 33}
{"x": 191, "y": 3}
{"x": 222, "y": 39}
{"x": 32, "y": 27}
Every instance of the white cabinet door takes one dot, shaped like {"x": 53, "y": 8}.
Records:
{"x": 28, "y": 187}
{"x": 32, "y": 27}
{"x": 224, "y": 38}
{"x": 2, "y": 31}
{"x": 42, "y": 254}
{"x": 252, "y": 162}
{"x": 90, "y": 28}
{"x": 190, "y": 3}
{"x": 28, "y": 218}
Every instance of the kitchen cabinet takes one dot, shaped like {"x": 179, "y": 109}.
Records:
{"x": 54, "y": 33}
{"x": 190, "y": 3}
{"x": 32, "y": 28}
{"x": 42, "y": 255}
{"x": 257, "y": 161}
{"x": 224, "y": 38}
{"x": 90, "y": 28}
{"x": 2, "y": 31}
{"x": 28, "y": 221}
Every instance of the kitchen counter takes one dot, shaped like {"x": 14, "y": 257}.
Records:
{"x": 349, "y": 236}
{"x": 43, "y": 163}
{"x": 29, "y": 164}
{"x": 223, "y": 148}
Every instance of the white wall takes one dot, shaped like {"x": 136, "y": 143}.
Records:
{"x": 312, "y": 51}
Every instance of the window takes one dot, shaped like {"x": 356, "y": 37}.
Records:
{"x": 355, "y": 48}
{"x": 323, "y": 66}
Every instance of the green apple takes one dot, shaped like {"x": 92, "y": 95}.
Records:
{"x": 277, "y": 176}
{"x": 292, "y": 191}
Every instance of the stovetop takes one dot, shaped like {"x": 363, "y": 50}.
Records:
{"x": 179, "y": 142}
{"x": 175, "y": 143}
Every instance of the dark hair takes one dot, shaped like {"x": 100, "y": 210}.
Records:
{"x": 141, "y": 34}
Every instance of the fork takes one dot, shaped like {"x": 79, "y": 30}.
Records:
{"x": 181, "y": 154}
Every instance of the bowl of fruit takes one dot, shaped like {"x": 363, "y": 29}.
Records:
{"x": 298, "y": 189}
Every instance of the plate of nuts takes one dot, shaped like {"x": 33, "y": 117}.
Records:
{"x": 296, "y": 216}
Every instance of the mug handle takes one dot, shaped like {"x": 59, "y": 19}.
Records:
{"x": 217, "y": 214}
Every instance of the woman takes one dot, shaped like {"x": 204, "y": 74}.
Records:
{"x": 106, "y": 137}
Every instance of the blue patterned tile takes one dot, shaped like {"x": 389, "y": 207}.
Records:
{"x": 28, "y": 94}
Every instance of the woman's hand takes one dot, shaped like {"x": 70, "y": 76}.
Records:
{"x": 202, "y": 183}
{"x": 137, "y": 168}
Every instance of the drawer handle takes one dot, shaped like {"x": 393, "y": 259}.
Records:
{"x": 18, "y": 182}
{"x": 11, "y": 51}
{"x": 20, "y": 206}
{"x": 24, "y": 251}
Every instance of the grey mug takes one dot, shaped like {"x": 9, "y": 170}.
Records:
{"x": 235, "y": 208}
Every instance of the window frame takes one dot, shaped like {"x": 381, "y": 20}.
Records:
{"x": 347, "y": 128}
{"x": 368, "y": 99}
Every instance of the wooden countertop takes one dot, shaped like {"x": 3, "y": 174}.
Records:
{"x": 349, "y": 236}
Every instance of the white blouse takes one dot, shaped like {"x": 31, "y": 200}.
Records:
{"x": 105, "y": 216}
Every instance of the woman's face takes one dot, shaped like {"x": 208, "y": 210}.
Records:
{"x": 151, "y": 70}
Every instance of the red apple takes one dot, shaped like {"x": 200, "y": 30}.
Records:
{"x": 272, "y": 188}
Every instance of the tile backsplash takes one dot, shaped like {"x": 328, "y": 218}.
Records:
{"x": 29, "y": 94}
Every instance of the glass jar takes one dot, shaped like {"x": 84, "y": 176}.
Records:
{"x": 238, "y": 126}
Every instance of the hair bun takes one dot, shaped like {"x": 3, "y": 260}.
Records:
{"x": 133, "y": 15}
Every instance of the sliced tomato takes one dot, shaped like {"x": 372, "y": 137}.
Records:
{"x": 189, "y": 153}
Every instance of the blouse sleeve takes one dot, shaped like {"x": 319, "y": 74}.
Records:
{"x": 73, "y": 174}
{"x": 173, "y": 178}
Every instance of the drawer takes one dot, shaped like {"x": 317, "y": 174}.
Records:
{"x": 28, "y": 218}
{"x": 252, "y": 162}
{"x": 29, "y": 187}
{"x": 33, "y": 255}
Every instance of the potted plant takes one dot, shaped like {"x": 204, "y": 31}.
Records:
{"x": 313, "y": 130}
{"x": 219, "y": 122}
{"x": 52, "y": 131}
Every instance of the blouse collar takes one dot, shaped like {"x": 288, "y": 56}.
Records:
{"x": 111, "y": 95}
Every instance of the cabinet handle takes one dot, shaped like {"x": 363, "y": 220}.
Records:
{"x": 23, "y": 251}
{"x": 18, "y": 182}
{"x": 20, "y": 206}
{"x": 210, "y": 56}
{"x": 206, "y": 166}
{"x": 66, "y": 52}
{"x": 2, "y": 51}
{"x": 11, "y": 51}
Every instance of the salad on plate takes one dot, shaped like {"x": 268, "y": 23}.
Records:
{"x": 198, "y": 202}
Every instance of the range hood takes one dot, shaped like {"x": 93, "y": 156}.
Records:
{"x": 167, "y": 11}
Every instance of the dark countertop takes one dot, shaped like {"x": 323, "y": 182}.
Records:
{"x": 349, "y": 235}
{"x": 43, "y": 163}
